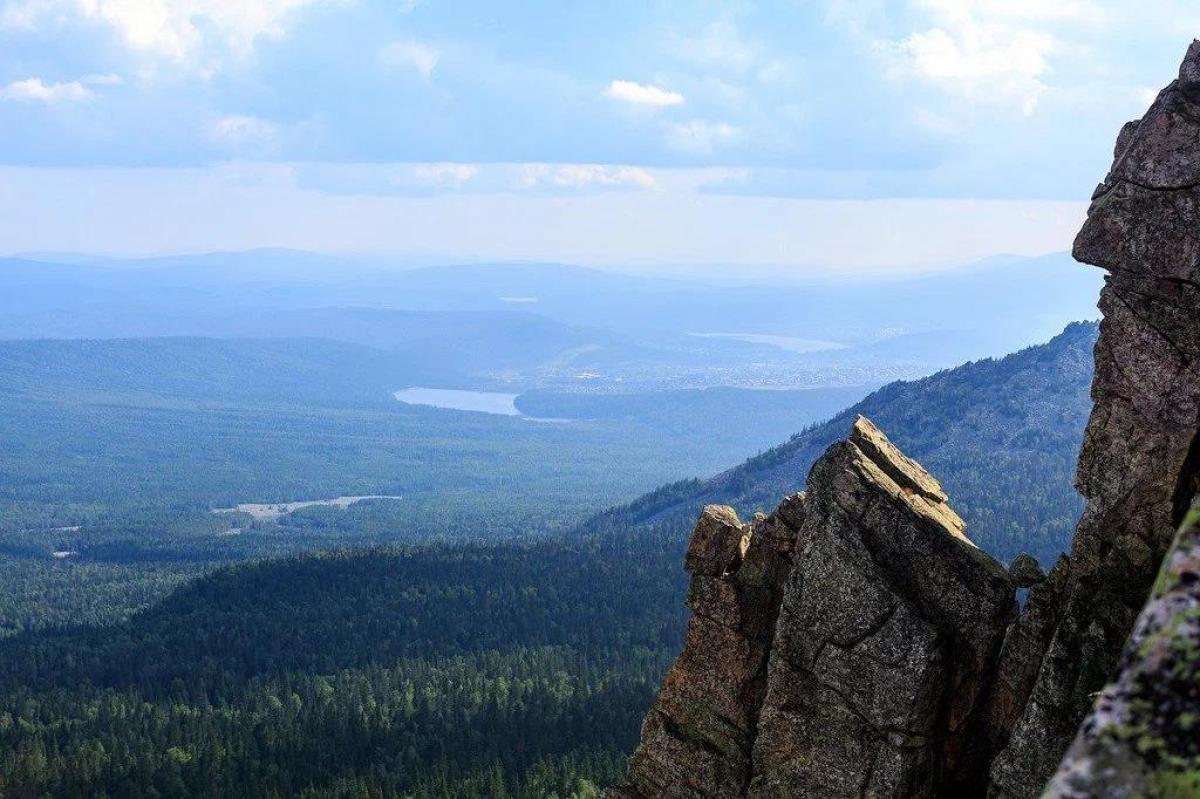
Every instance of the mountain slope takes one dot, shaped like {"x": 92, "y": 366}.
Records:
{"x": 1001, "y": 435}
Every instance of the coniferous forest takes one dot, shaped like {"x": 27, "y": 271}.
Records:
{"x": 168, "y": 658}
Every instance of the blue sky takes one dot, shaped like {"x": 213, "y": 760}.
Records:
{"x": 856, "y": 134}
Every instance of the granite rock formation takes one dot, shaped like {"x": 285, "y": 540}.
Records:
{"x": 855, "y": 643}
{"x": 842, "y": 644}
{"x": 1143, "y": 736}
{"x": 889, "y": 628}
{"x": 698, "y": 737}
{"x": 1140, "y": 461}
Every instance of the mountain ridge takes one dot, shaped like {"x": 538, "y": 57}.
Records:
{"x": 1063, "y": 367}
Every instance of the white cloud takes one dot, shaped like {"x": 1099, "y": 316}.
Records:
{"x": 25, "y": 14}
{"x": 700, "y": 137}
{"x": 445, "y": 175}
{"x": 628, "y": 91}
{"x": 987, "y": 50}
{"x": 176, "y": 29}
{"x": 584, "y": 176}
{"x": 34, "y": 90}
{"x": 238, "y": 130}
{"x": 412, "y": 55}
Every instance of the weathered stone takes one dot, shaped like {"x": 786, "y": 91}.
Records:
{"x": 890, "y": 624}
{"x": 1143, "y": 736}
{"x": 867, "y": 677}
{"x": 697, "y": 739}
{"x": 1141, "y": 456}
{"x": 868, "y": 649}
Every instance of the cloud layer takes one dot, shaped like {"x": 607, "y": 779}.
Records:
{"x": 638, "y": 105}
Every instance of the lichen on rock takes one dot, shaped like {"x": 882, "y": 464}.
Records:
{"x": 1142, "y": 738}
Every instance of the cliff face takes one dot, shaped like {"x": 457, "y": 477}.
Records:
{"x": 1141, "y": 455}
{"x": 1143, "y": 735}
{"x": 855, "y": 643}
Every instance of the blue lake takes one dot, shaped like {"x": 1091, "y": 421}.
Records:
{"x": 455, "y": 399}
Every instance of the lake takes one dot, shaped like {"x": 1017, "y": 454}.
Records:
{"x": 454, "y": 399}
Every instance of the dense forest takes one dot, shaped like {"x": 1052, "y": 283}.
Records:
{"x": 116, "y": 452}
{"x": 516, "y": 661}
{"x": 452, "y": 671}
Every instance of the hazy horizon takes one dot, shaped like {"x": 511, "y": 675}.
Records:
{"x": 860, "y": 137}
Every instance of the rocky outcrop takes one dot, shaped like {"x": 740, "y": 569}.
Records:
{"x": 842, "y": 644}
{"x": 889, "y": 628}
{"x": 1143, "y": 735}
{"x": 1140, "y": 461}
{"x": 697, "y": 739}
{"x": 874, "y": 651}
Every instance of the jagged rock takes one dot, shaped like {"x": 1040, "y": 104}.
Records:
{"x": 867, "y": 676}
{"x": 890, "y": 623}
{"x": 1141, "y": 455}
{"x": 697, "y": 739}
{"x": 1025, "y": 571}
{"x": 1143, "y": 736}
{"x": 890, "y": 666}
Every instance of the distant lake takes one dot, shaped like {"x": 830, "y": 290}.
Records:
{"x": 480, "y": 401}
{"x": 789, "y": 343}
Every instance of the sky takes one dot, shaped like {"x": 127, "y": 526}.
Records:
{"x": 800, "y": 135}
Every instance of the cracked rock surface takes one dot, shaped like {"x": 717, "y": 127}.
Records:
{"x": 856, "y": 644}
{"x": 839, "y": 647}
{"x": 890, "y": 623}
{"x": 697, "y": 739}
{"x": 1141, "y": 455}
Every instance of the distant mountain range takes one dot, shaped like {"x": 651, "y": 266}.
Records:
{"x": 563, "y": 327}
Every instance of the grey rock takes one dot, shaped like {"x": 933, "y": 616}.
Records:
{"x": 1142, "y": 737}
{"x": 841, "y": 644}
{"x": 1140, "y": 461}
{"x": 697, "y": 739}
{"x": 890, "y": 626}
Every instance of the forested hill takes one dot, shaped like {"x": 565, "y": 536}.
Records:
{"x": 1002, "y": 435}
{"x": 519, "y": 671}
